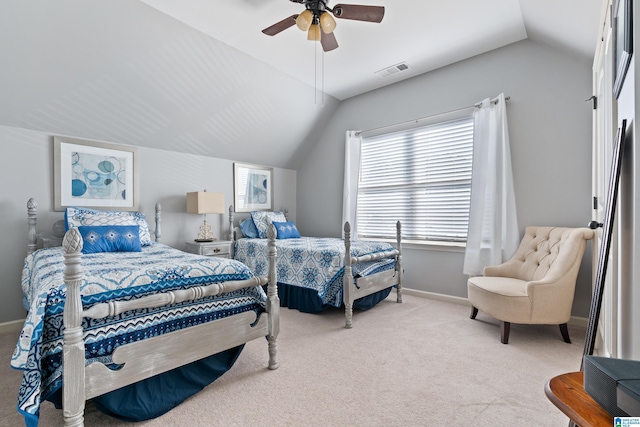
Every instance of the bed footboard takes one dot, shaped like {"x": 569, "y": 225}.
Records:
{"x": 144, "y": 359}
{"x": 369, "y": 284}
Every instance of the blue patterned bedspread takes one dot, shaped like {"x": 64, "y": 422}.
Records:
{"x": 313, "y": 262}
{"x": 121, "y": 276}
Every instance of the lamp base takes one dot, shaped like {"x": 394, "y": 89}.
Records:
{"x": 205, "y": 234}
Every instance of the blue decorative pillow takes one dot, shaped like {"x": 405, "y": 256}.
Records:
{"x": 110, "y": 238}
{"x": 75, "y": 217}
{"x": 249, "y": 229}
{"x": 262, "y": 220}
{"x": 286, "y": 230}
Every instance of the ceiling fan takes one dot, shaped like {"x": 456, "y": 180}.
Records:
{"x": 317, "y": 21}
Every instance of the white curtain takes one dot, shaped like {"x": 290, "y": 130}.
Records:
{"x": 353, "y": 143}
{"x": 493, "y": 235}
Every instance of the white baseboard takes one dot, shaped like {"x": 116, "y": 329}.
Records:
{"x": 13, "y": 326}
{"x": 574, "y": 321}
{"x": 579, "y": 321}
{"x": 436, "y": 296}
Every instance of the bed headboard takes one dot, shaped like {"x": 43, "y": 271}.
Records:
{"x": 54, "y": 238}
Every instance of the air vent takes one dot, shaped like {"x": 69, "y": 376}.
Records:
{"x": 393, "y": 69}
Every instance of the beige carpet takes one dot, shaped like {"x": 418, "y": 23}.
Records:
{"x": 420, "y": 363}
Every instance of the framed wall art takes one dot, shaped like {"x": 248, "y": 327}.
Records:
{"x": 252, "y": 188}
{"x": 94, "y": 174}
{"x": 622, "y": 42}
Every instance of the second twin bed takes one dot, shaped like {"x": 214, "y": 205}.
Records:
{"x": 319, "y": 272}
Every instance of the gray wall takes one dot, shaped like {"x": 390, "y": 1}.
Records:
{"x": 550, "y": 132}
{"x": 26, "y": 171}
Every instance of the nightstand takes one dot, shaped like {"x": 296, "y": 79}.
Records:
{"x": 217, "y": 248}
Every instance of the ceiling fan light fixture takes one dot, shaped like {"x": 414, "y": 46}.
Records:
{"x": 304, "y": 20}
{"x": 327, "y": 23}
{"x": 318, "y": 20}
{"x": 314, "y": 33}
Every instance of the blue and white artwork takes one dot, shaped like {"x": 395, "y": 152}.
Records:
{"x": 253, "y": 187}
{"x": 94, "y": 174}
{"x": 98, "y": 177}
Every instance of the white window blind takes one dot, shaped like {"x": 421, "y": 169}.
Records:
{"x": 420, "y": 176}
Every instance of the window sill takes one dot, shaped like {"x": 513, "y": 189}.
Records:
{"x": 427, "y": 245}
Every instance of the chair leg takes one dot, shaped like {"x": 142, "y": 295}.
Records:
{"x": 474, "y": 312}
{"x": 565, "y": 333}
{"x": 504, "y": 332}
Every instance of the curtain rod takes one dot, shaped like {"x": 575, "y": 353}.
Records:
{"x": 477, "y": 105}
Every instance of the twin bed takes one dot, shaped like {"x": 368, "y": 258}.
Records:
{"x": 127, "y": 316}
{"x": 316, "y": 272}
{"x": 115, "y": 320}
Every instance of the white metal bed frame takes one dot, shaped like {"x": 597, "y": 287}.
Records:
{"x": 144, "y": 359}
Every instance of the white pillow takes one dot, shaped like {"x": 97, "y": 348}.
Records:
{"x": 263, "y": 219}
{"x": 75, "y": 217}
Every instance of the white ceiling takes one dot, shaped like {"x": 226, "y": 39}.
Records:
{"x": 199, "y": 76}
{"x": 424, "y": 34}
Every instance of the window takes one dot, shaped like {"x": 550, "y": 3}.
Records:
{"x": 420, "y": 176}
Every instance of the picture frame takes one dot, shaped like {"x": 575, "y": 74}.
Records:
{"x": 94, "y": 174}
{"x": 252, "y": 187}
{"x": 622, "y": 42}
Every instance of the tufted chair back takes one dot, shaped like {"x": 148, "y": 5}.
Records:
{"x": 545, "y": 252}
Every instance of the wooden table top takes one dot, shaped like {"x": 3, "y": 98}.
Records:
{"x": 566, "y": 391}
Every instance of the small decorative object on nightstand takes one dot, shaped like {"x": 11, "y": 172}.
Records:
{"x": 201, "y": 202}
{"x": 219, "y": 248}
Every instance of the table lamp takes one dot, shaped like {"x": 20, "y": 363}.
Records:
{"x": 203, "y": 202}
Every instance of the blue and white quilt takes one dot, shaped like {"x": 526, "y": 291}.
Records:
{"x": 111, "y": 276}
{"x": 313, "y": 262}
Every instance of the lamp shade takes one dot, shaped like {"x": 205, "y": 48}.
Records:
{"x": 327, "y": 23}
{"x": 203, "y": 202}
{"x": 304, "y": 20}
{"x": 314, "y": 33}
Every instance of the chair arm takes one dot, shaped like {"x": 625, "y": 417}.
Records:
{"x": 552, "y": 298}
{"x": 509, "y": 268}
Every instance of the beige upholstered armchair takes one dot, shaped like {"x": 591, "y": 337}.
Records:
{"x": 536, "y": 286}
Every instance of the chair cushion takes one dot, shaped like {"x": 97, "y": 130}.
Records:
{"x": 504, "y": 298}
{"x": 504, "y": 286}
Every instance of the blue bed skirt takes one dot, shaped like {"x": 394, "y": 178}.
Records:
{"x": 159, "y": 394}
{"x": 307, "y": 300}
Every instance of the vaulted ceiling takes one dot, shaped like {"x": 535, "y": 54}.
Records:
{"x": 198, "y": 76}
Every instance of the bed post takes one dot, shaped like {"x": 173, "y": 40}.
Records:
{"x": 273, "y": 302}
{"x": 231, "y": 234}
{"x": 399, "y": 269}
{"x": 32, "y": 218}
{"x": 158, "y": 232}
{"x": 73, "y": 373}
{"x": 347, "y": 280}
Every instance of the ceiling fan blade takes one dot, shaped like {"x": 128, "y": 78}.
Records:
{"x": 280, "y": 26}
{"x": 359, "y": 12}
{"x": 328, "y": 41}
